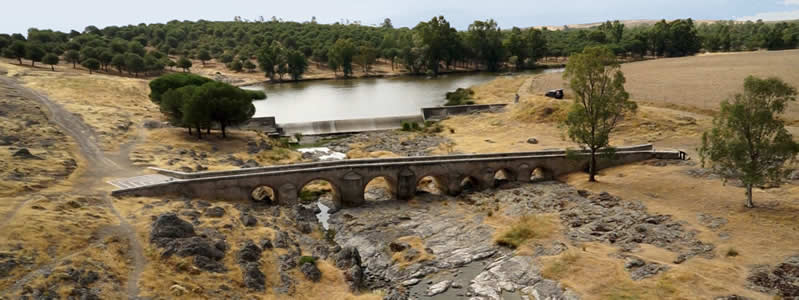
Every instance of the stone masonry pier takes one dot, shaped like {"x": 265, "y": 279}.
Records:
{"x": 350, "y": 177}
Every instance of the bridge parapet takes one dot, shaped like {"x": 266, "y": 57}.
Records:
{"x": 350, "y": 177}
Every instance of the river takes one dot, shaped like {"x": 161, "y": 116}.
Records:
{"x": 365, "y": 98}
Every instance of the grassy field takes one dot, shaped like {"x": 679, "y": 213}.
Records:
{"x": 697, "y": 83}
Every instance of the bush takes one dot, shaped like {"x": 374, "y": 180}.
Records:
{"x": 162, "y": 84}
{"x": 732, "y": 252}
{"x": 459, "y": 97}
{"x": 415, "y": 126}
{"x": 406, "y": 126}
{"x": 307, "y": 259}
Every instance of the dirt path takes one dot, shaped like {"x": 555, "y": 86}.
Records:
{"x": 98, "y": 165}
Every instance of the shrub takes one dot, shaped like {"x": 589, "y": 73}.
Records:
{"x": 732, "y": 252}
{"x": 307, "y": 259}
{"x": 415, "y": 126}
{"x": 459, "y": 97}
{"x": 256, "y": 95}
{"x": 330, "y": 236}
{"x": 406, "y": 126}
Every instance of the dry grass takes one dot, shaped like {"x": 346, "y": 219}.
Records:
{"x": 417, "y": 244}
{"x": 699, "y": 83}
{"x": 526, "y": 229}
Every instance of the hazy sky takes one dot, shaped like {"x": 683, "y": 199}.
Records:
{"x": 64, "y": 15}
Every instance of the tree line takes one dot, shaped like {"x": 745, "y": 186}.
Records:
{"x": 193, "y": 101}
{"x": 286, "y": 49}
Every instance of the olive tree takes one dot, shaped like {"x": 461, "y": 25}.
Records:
{"x": 748, "y": 140}
{"x": 184, "y": 63}
{"x": 72, "y": 56}
{"x": 600, "y": 100}
{"x": 50, "y": 59}
{"x": 35, "y": 53}
{"x": 91, "y": 64}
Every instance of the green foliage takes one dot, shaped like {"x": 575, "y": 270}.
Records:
{"x": 485, "y": 38}
{"x": 134, "y": 63}
{"x": 118, "y": 61}
{"x": 204, "y": 56}
{"x": 91, "y": 64}
{"x": 460, "y": 96}
{"x": 184, "y": 63}
{"x": 16, "y": 50}
{"x": 34, "y": 52}
{"x": 748, "y": 140}
{"x": 297, "y": 64}
{"x": 307, "y": 260}
{"x": 236, "y": 66}
{"x": 72, "y": 56}
{"x": 50, "y": 59}
{"x": 437, "y": 40}
{"x": 249, "y": 65}
{"x": 406, "y": 126}
{"x": 162, "y": 84}
{"x": 198, "y": 102}
{"x": 600, "y": 100}
{"x": 256, "y": 95}
{"x": 341, "y": 56}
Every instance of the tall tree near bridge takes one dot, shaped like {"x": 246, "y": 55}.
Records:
{"x": 600, "y": 100}
{"x": 748, "y": 140}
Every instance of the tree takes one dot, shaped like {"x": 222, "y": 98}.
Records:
{"x": 184, "y": 63}
{"x": 16, "y": 50}
{"x": 230, "y": 105}
{"x": 50, "y": 59}
{"x": 162, "y": 84}
{"x": 236, "y": 66}
{"x": 34, "y": 52}
{"x": 600, "y": 100}
{"x": 249, "y": 65}
{"x": 748, "y": 140}
{"x": 341, "y": 54}
{"x": 485, "y": 39}
{"x": 387, "y": 24}
{"x": 105, "y": 57}
{"x": 72, "y": 56}
{"x": 196, "y": 110}
{"x": 436, "y": 39}
{"x": 118, "y": 61}
{"x": 134, "y": 63}
{"x": 297, "y": 64}
{"x": 226, "y": 58}
{"x": 366, "y": 57}
{"x": 91, "y": 64}
{"x": 204, "y": 56}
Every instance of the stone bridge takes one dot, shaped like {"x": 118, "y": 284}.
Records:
{"x": 349, "y": 178}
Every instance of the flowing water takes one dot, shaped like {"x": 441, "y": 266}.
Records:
{"x": 366, "y": 98}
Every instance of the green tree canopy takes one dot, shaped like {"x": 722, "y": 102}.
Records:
{"x": 50, "y": 59}
{"x": 748, "y": 140}
{"x": 600, "y": 100}
{"x": 91, "y": 64}
{"x": 34, "y": 52}
{"x": 184, "y": 63}
{"x": 72, "y": 56}
{"x": 167, "y": 82}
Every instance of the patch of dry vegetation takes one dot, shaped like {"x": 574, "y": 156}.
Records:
{"x": 176, "y": 277}
{"x": 526, "y": 229}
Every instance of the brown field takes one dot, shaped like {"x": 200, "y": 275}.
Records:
{"x": 698, "y": 83}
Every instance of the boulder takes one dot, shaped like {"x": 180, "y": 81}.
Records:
{"x": 168, "y": 227}
{"x": 254, "y": 279}
{"x": 248, "y": 220}
{"x": 311, "y": 272}
{"x": 532, "y": 140}
{"x": 249, "y": 252}
{"x": 25, "y": 154}
{"x": 215, "y": 212}
{"x": 438, "y": 288}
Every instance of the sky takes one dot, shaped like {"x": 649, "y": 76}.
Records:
{"x": 64, "y": 15}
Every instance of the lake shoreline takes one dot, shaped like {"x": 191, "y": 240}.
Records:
{"x": 408, "y": 74}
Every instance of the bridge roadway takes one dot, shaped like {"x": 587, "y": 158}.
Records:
{"x": 350, "y": 177}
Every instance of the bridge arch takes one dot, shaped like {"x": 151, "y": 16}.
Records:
{"x": 541, "y": 173}
{"x": 380, "y": 188}
{"x": 435, "y": 184}
{"x": 503, "y": 175}
{"x": 313, "y": 189}
{"x": 264, "y": 194}
{"x": 470, "y": 183}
